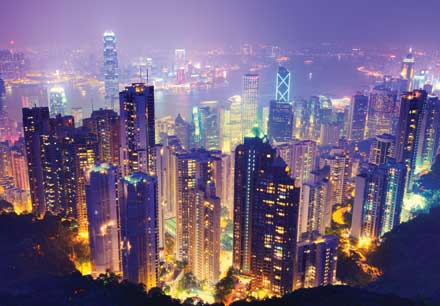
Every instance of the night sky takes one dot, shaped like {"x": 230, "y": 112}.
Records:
{"x": 176, "y": 23}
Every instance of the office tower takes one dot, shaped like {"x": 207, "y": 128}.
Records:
{"x": 338, "y": 162}
{"x": 137, "y": 129}
{"x": 249, "y": 102}
{"x": 282, "y": 93}
{"x": 105, "y": 124}
{"x": 407, "y": 72}
{"x": 232, "y": 129}
{"x": 408, "y": 132}
{"x": 83, "y": 151}
{"x": 36, "y": 127}
{"x": 111, "y": 71}
{"x": 139, "y": 232}
{"x": 280, "y": 126}
{"x": 182, "y": 131}
{"x": 358, "y": 118}
{"x": 382, "y": 149}
{"x": 381, "y": 111}
{"x": 330, "y": 134}
{"x": 103, "y": 217}
{"x": 378, "y": 200}
{"x": 274, "y": 229}
{"x": 57, "y": 101}
{"x": 314, "y": 210}
{"x": 78, "y": 115}
{"x": 196, "y": 174}
{"x": 302, "y": 160}
{"x": 205, "y": 246}
{"x": 251, "y": 158}
{"x": 316, "y": 261}
{"x": 429, "y": 137}
{"x": 265, "y": 119}
{"x": 206, "y": 122}
{"x": 19, "y": 168}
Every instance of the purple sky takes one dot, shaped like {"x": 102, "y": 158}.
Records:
{"x": 185, "y": 23}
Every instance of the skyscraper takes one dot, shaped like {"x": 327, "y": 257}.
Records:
{"x": 102, "y": 211}
{"x": 381, "y": 111}
{"x": 57, "y": 101}
{"x": 407, "y": 72}
{"x": 206, "y": 122}
{"x": 358, "y": 118}
{"x": 409, "y": 132}
{"x": 182, "y": 131}
{"x": 111, "y": 73}
{"x": 302, "y": 160}
{"x": 232, "y": 130}
{"x": 249, "y": 102}
{"x": 282, "y": 93}
{"x": 137, "y": 129}
{"x": 280, "y": 126}
{"x": 3, "y": 114}
{"x": 378, "y": 200}
{"x": 139, "y": 230}
{"x": 382, "y": 149}
{"x": 274, "y": 229}
{"x": 105, "y": 124}
{"x": 197, "y": 212}
{"x": 251, "y": 158}
{"x": 316, "y": 262}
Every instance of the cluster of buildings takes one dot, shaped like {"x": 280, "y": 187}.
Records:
{"x": 280, "y": 173}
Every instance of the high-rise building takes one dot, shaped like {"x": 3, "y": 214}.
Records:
{"x": 302, "y": 160}
{"x": 316, "y": 262}
{"x": 36, "y": 125}
{"x": 381, "y": 111}
{"x": 57, "y": 101}
{"x": 197, "y": 212}
{"x": 139, "y": 230}
{"x": 249, "y": 102}
{"x": 314, "y": 210}
{"x": 111, "y": 72}
{"x": 137, "y": 129}
{"x": 430, "y": 134}
{"x": 358, "y": 118}
{"x": 378, "y": 200}
{"x": 330, "y": 134}
{"x": 19, "y": 168}
{"x": 280, "y": 126}
{"x": 282, "y": 93}
{"x": 3, "y": 113}
{"x": 182, "y": 131}
{"x": 251, "y": 158}
{"x": 78, "y": 116}
{"x": 232, "y": 130}
{"x": 103, "y": 217}
{"x": 207, "y": 127}
{"x": 407, "y": 72}
{"x": 409, "y": 132}
{"x": 338, "y": 162}
{"x": 274, "y": 229}
{"x": 105, "y": 124}
{"x": 382, "y": 149}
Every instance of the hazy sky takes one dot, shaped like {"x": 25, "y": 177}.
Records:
{"x": 185, "y": 23}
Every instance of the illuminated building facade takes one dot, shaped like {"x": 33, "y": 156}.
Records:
{"x": 111, "y": 72}
{"x": 314, "y": 205}
{"x": 19, "y": 168}
{"x": 182, "y": 131}
{"x": 251, "y": 158}
{"x": 232, "y": 130}
{"x": 358, "y": 118}
{"x": 280, "y": 125}
{"x": 409, "y": 132}
{"x": 105, "y": 124}
{"x": 249, "y": 102}
{"x": 282, "y": 93}
{"x": 207, "y": 125}
{"x": 137, "y": 129}
{"x": 381, "y": 111}
{"x": 274, "y": 229}
{"x": 57, "y": 101}
{"x": 103, "y": 219}
{"x": 378, "y": 200}
{"x": 3, "y": 112}
{"x": 316, "y": 262}
{"x": 382, "y": 149}
{"x": 429, "y": 138}
{"x": 197, "y": 207}
{"x": 407, "y": 72}
{"x": 139, "y": 229}
{"x": 302, "y": 160}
